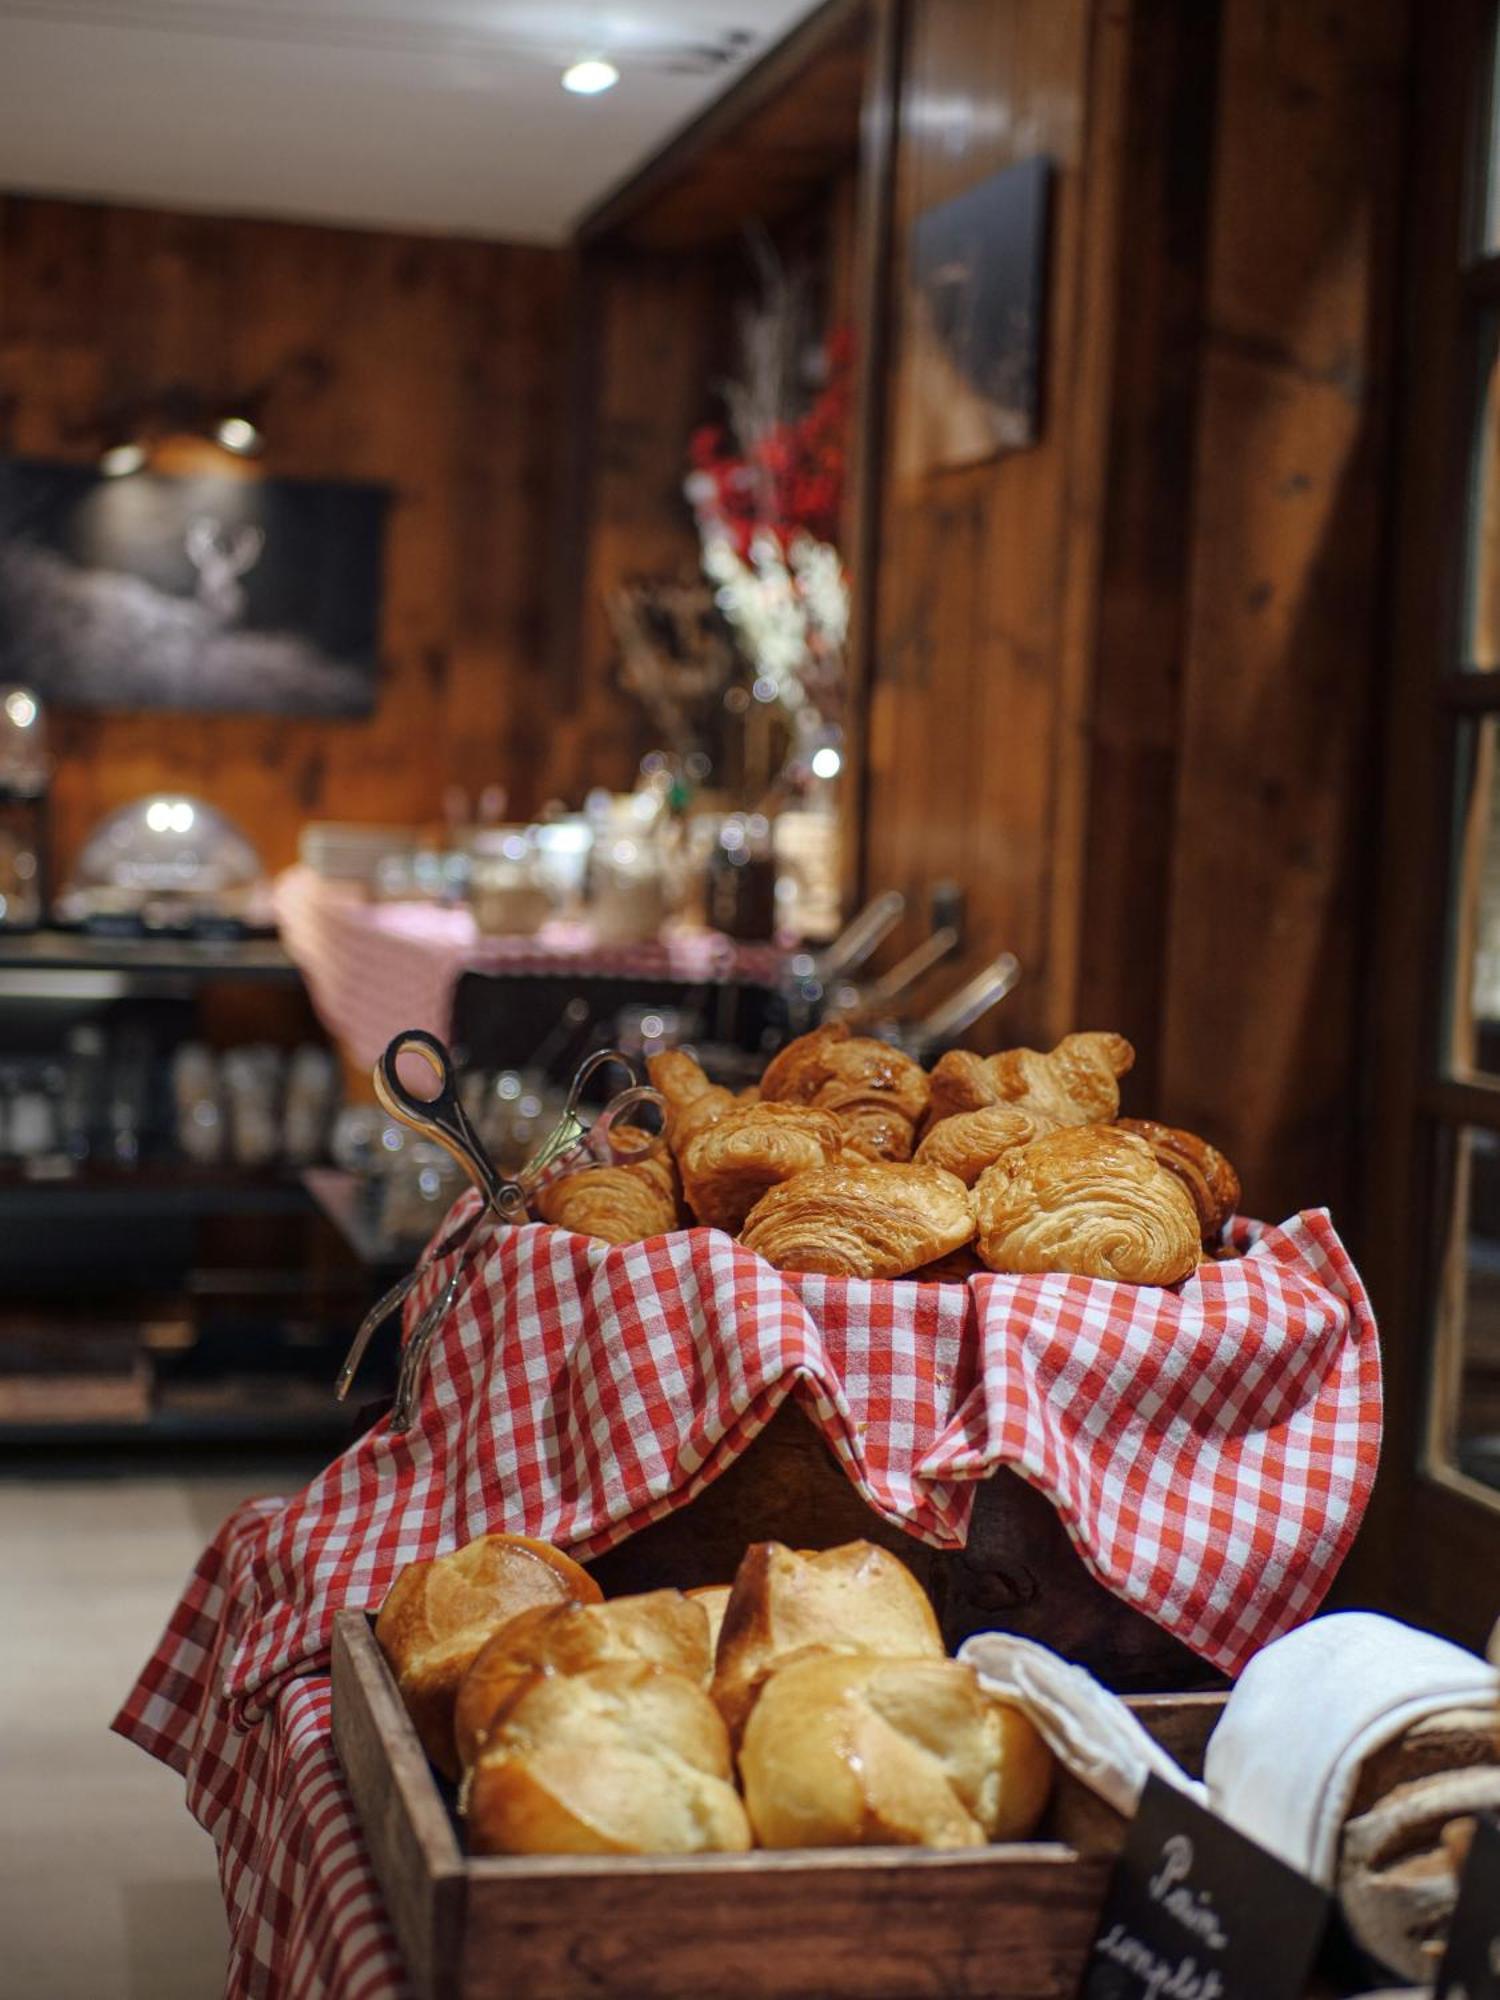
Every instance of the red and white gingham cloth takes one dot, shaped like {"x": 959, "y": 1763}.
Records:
{"x": 1210, "y": 1449}
{"x": 373, "y": 969}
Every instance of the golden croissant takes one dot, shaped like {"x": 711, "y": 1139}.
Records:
{"x": 728, "y": 1165}
{"x": 1077, "y": 1083}
{"x": 1090, "y": 1200}
{"x": 618, "y": 1204}
{"x": 878, "y": 1094}
{"x": 861, "y": 1219}
{"x": 1211, "y": 1182}
{"x": 970, "y": 1141}
{"x": 692, "y": 1101}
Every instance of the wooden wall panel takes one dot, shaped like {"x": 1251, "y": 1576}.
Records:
{"x": 971, "y": 619}
{"x": 1282, "y": 668}
{"x": 426, "y": 364}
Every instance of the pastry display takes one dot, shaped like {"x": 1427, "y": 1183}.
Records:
{"x": 860, "y": 1751}
{"x": 1091, "y": 1200}
{"x": 808, "y": 1704}
{"x": 664, "y": 1628}
{"x": 438, "y": 1615}
{"x": 617, "y": 1204}
{"x": 728, "y": 1165}
{"x": 860, "y": 1219}
{"x": 848, "y": 1160}
{"x": 625, "y": 1758}
{"x": 857, "y": 1598}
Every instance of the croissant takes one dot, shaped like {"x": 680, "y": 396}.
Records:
{"x": 877, "y": 1092}
{"x": 1077, "y": 1083}
{"x": 617, "y": 1204}
{"x": 729, "y": 1165}
{"x": 1089, "y": 1200}
{"x": 692, "y": 1101}
{"x": 1212, "y": 1184}
{"x": 861, "y": 1219}
{"x": 970, "y": 1141}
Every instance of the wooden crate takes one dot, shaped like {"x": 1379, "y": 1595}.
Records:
{"x": 837, "y": 1924}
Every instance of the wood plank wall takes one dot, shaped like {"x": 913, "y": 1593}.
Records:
{"x": 1123, "y": 682}
{"x": 431, "y": 365}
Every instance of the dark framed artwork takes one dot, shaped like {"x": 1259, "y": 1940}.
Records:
{"x": 974, "y": 321}
{"x": 257, "y": 596}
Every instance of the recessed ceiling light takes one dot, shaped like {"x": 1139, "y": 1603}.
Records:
{"x": 238, "y": 434}
{"x": 121, "y": 460}
{"x": 588, "y": 77}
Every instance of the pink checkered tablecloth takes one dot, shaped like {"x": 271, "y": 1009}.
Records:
{"x": 373, "y": 969}
{"x": 1210, "y": 1450}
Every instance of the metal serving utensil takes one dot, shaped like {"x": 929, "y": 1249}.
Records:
{"x": 442, "y": 1120}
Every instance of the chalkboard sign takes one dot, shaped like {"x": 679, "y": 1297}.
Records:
{"x": 1471, "y": 1965}
{"x": 1195, "y": 1911}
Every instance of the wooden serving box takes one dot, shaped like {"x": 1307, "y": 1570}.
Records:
{"x": 836, "y": 1924}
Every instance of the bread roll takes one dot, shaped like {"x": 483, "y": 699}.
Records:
{"x": 438, "y": 1614}
{"x": 624, "y": 1758}
{"x": 662, "y": 1627}
{"x": 861, "y": 1219}
{"x": 861, "y": 1752}
{"x": 1092, "y": 1201}
{"x": 857, "y": 1598}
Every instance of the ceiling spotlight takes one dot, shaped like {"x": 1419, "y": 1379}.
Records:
{"x": 120, "y": 460}
{"x": 239, "y": 435}
{"x": 588, "y": 77}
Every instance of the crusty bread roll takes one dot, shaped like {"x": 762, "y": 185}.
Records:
{"x": 624, "y": 1758}
{"x": 861, "y": 1752}
{"x": 860, "y": 1219}
{"x": 714, "y": 1597}
{"x": 1089, "y": 1200}
{"x": 857, "y": 1598}
{"x": 438, "y": 1614}
{"x": 661, "y": 1626}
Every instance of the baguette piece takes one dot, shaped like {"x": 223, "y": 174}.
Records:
{"x": 860, "y": 1751}
{"x": 624, "y": 1758}
{"x": 783, "y": 1606}
{"x": 437, "y": 1615}
{"x": 663, "y": 1627}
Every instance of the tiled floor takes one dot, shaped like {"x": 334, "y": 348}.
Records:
{"x": 108, "y": 1889}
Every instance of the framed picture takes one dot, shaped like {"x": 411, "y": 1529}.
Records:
{"x": 974, "y": 312}
{"x": 258, "y": 596}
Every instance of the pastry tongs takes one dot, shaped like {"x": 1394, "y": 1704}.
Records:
{"x": 442, "y": 1120}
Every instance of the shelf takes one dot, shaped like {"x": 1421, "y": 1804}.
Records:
{"x": 69, "y": 965}
{"x": 175, "y": 1189}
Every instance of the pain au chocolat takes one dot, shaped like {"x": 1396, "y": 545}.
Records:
{"x": 1211, "y": 1182}
{"x": 728, "y": 1166}
{"x": 970, "y": 1141}
{"x": 617, "y": 1204}
{"x": 1090, "y": 1200}
{"x": 877, "y": 1093}
{"x": 861, "y": 1219}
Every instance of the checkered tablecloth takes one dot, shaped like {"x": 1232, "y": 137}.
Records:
{"x": 1210, "y": 1449}
{"x": 373, "y": 969}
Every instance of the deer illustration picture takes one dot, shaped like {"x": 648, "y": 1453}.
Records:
{"x": 221, "y": 558}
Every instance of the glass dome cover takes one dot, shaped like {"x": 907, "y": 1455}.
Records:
{"x": 169, "y": 845}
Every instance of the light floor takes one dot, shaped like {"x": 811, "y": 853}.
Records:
{"x": 108, "y": 1889}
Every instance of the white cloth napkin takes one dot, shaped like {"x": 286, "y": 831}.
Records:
{"x": 1283, "y": 1761}
{"x": 1306, "y": 1713}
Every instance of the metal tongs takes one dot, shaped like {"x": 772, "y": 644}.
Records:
{"x": 442, "y": 1120}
